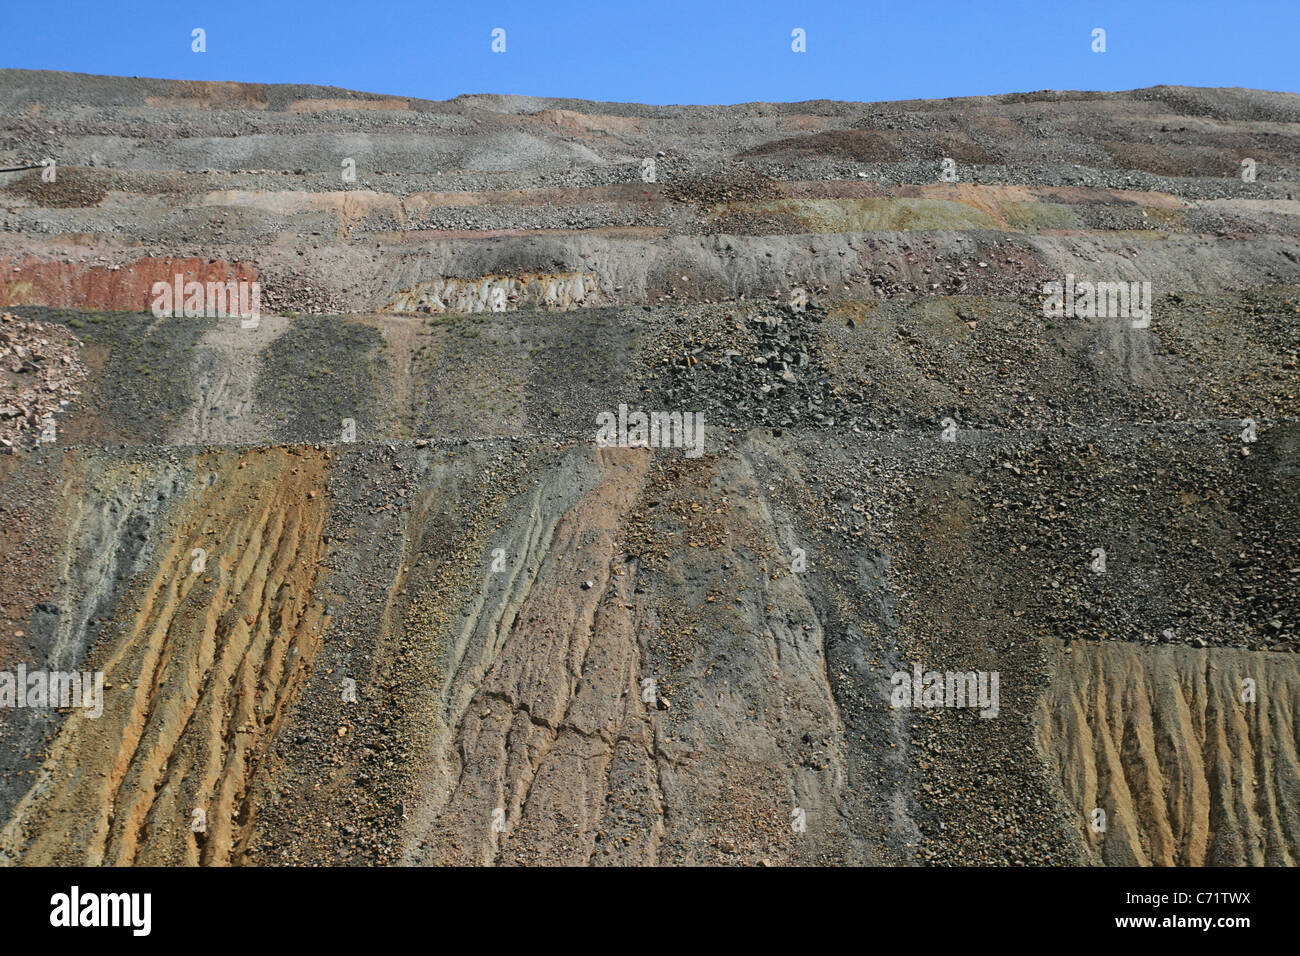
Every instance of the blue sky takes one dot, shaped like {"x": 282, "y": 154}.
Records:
{"x": 665, "y": 51}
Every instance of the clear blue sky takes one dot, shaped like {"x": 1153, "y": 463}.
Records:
{"x": 665, "y": 51}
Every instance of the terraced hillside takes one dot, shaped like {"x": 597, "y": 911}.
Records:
{"x": 364, "y": 588}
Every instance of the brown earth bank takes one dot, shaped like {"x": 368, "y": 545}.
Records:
{"x": 364, "y": 588}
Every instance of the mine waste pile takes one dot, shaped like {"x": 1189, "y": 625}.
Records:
{"x": 562, "y": 482}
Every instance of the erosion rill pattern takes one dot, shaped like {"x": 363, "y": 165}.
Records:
{"x": 365, "y": 590}
{"x": 196, "y": 680}
{"x": 561, "y": 734}
{"x": 561, "y": 696}
{"x": 1194, "y": 775}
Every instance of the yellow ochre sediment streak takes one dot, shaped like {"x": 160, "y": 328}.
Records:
{"x": 207, "y": 666}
